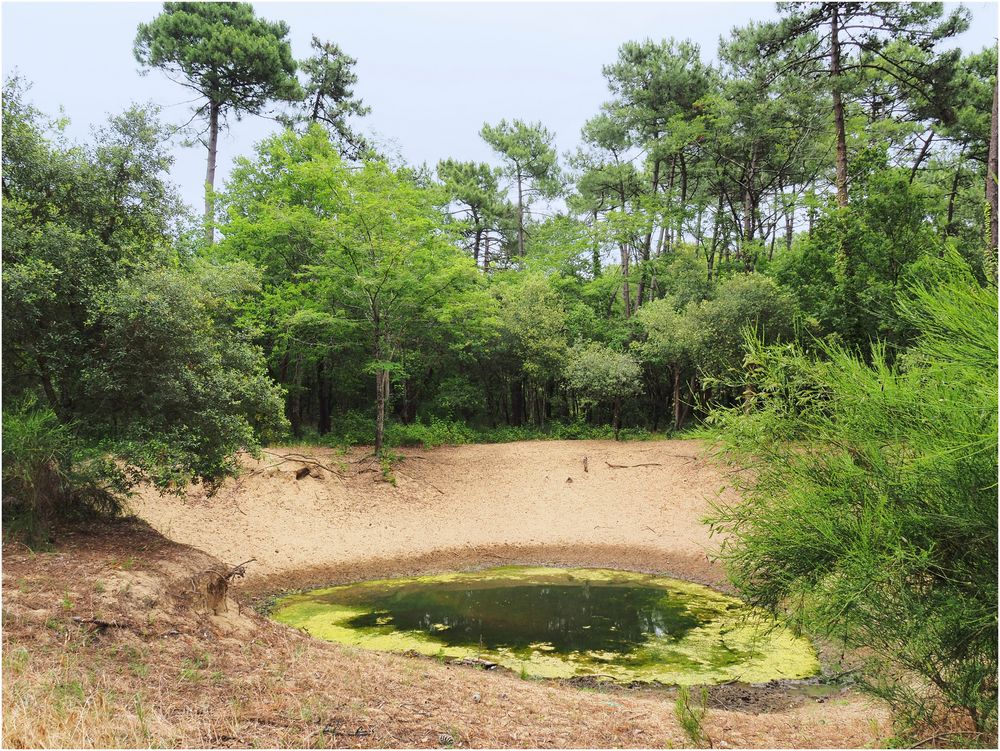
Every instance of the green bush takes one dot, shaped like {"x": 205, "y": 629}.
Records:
{"x": 355, "y": 429}
{"x": 48, "y": 474}
{"x": 435, "y": 433}
{"x": 872, "y": 518}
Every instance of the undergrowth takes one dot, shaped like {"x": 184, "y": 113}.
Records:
{"x": 356, "y": 429}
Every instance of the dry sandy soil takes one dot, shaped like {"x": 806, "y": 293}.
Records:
{"x": 107, "y": 644}
{"x": 457, "y": 506}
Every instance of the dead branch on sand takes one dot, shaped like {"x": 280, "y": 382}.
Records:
{"x": 301, "y": 458}
{"x": 213, "y": 585}
{"x": 630, "y": 466}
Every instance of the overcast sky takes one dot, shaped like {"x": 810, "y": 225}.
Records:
{"x": 432, "y": 73}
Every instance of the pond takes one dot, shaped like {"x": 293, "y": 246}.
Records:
{"x": 560, "y": 623}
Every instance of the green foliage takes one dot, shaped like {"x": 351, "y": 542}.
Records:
{"x": 49, "y": 474}
{"x": 328, "y": 97}
{"x": 181, "y": 391}
{"x": 690, "y": 716}
{"x": 222, "y": 51}
{"x": 357, "y": 261}
{"x": 708, "y": 335}
{"x": 847, "y": 275}
{"x": 601, "y": 373}
{"x": 873, "y": 515}
{"x": 529, "y": 161}
{"x": 527, "y": 149}
{"x": 132, "y": 346}
{"x": 355, "y": 429}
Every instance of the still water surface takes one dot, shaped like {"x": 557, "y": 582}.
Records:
{"x": 562, "y": 623}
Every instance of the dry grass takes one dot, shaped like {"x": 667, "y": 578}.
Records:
{"x": 167, "y": 675}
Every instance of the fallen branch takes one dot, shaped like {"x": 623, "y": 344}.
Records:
{"x": 630, "y": 466}
{"x": 99, "y": 624}
{"x": 431, "y": 484}
{"x": 239, "y": 570}
{"x": 301, "y": 458}
{"x": 942, "y": 736}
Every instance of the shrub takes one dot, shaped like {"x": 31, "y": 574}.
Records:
{"x": 872, "y": 518}
{"x": 49, "y": 474}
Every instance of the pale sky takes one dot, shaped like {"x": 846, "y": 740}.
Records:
{"x": 433, "y": 73}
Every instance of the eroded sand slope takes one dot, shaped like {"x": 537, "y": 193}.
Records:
{"x": 456, "y": 506}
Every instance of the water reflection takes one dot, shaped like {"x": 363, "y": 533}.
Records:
{"x": 565, "y": 618}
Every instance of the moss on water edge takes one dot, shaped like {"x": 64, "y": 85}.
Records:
{"x": 713, "y": 638}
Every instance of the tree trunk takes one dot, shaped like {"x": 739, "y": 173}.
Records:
{"x": 626, "y": 292}
{"x": 661, "y": 242}
{"x": 949, "y": 226}
{"x": 717, "y": 221}
{"x": 50, "y": 393}
{"x": 749, "y": 214}
{"x": 683, "y": 202}
{"x": 381, "y": 381}
{"x": 520, "y": 216}
{"x": 213, "y": 153}
{"x": 991, "y": 193}
{"x": 381, "y": 394}
{"x": 295, "y": 407}
{"x": 677, "y": 398}
{"x": 838, "y": 106}
{"x": 920, "y": 157}
{"x": 595, "y": 259}
{"x": 699, "y": 230}
{"x": 325, "y": 407}
{"x": 670, "y": 200}
{"x": 517, "y": 407}
{"x": 648, "y": 243}
{"x": 478, "y": 242}
{"x": 789, "y": 219}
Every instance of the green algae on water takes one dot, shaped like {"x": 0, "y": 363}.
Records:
{"x": 560, "y": 623}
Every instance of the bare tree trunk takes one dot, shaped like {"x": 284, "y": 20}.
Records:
{"x": 670, "y": 200}
{"x": 949, "y": 226}
{"x": 213, "y": 154}
{"x": 520, "y": 216}
{"x": 325, "y": 407}
{"x": 626, "y": 292}
{"x": 838, "y": 106}
{"x": 478, "y": 242}
{"x": 921, "y": 156}
{"x": 595, "y": 260}
{"x": 517, "y": 406}
{"x": 683, "y": 202}
{"x": 648, "y": 242}
{"x": 789, "y": 219}
{"x": 50, "y": 393}
{"x": 699, "y": 231}
{"x": 717, "y": 227}
{"x": 381, "y": 394}
{"x": 749, "y": 214}
{"x": 381, "y": 383}
{"x": 661, "y": 241}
